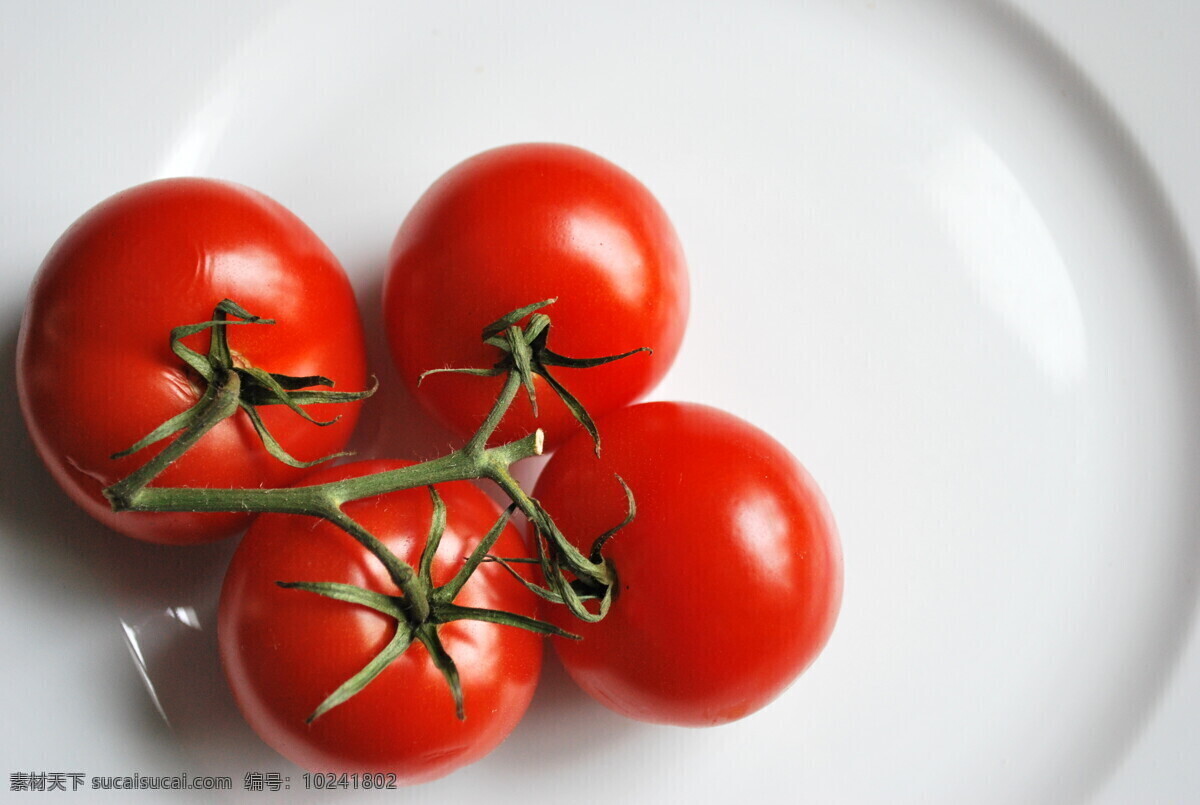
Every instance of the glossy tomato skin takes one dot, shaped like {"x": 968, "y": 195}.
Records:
{"x": 516, "y": 225}
{"x": 285, "y": 650}
{"x": 94, "y": 366}
{"x": 729, "y": 579}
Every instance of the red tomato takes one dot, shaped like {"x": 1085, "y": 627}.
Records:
{"x": 285, "y": 650}
{"x": 516, "y": 225}
{"x": 94, "y": 366}
{"x": 729, "y": 578}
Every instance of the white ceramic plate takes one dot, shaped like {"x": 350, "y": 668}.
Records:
{"x": 924, "y": 255}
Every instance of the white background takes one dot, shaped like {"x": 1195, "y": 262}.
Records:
{"x": 958, "y": 236}
{"x": 1140, "y": 59}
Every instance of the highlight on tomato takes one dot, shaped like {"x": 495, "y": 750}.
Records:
{"x": 729, "y": 577}
{"x": 516, "y": 225}
{"x": 286, "y": 649}
{"x": 98, "y": 370}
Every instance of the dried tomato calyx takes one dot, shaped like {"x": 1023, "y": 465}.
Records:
{"x": 255, "y": 386}
{"x": 525, "y": 354}
{"x": 421, "y": 609}
{"x": 594, "y": 581}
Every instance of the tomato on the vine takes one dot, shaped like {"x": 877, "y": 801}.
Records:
{"x": 728, "y": 580}
{"x": 285, "y": 650}
{"x": 517, "y": 225}
{"x": 96, "y": 372}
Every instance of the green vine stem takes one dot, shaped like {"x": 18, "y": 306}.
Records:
{"x": 572, "y": 577}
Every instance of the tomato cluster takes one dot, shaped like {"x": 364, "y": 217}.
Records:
{"x": 380, "y": 615}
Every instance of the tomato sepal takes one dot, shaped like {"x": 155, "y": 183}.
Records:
{"x": 255, "y": 387}
{"x": 422, "y": 608}
{"x": 572, "y": 593}
{"x": 527, "y": 354}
